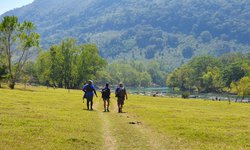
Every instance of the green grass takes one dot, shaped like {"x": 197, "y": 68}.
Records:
{"x": 197, "y": 123}
{"x": 40, "y": 118}
{"x": 46, "y": 119}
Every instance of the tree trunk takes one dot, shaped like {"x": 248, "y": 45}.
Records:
{"x": 242, "y": 98}
{"x": 60, "y": 84}
{"x": 236, "y": 99}
{"x": 54, "y": 85}
{"x": 229, "y": 101}
{"x": 12, "y": 85}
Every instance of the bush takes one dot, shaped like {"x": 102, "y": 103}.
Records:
{"x": 185, "y": 95}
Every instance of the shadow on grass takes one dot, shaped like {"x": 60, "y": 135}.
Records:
{"x": 18, "y": 88}
{"x": 23, "y": 89}
{"x": 85, "y": 109}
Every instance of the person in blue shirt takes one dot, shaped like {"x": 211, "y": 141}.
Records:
{"x": 89, "y": 90}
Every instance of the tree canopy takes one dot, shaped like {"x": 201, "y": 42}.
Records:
{"x": 17, "y": 41}
{"x": 69, "y": 65}
{"x": 211, "y": 74}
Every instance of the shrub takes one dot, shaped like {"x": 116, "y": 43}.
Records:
{"x": 185, "y": 95}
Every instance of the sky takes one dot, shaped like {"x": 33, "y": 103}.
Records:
{"x": 6, "y": 5}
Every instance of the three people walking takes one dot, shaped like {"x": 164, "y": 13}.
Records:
{"x": 120, "y": 93}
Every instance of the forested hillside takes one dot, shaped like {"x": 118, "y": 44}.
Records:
{"x": 168, "y": 31}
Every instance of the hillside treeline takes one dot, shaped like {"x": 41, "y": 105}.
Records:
{"x": 133, "y": 73}
{"x": 69, "y": 65}
{"x": 230, "y": 72}
{"x": 172, "y": 30}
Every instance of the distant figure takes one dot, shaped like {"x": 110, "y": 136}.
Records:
{"x": 106, "y": 97}
{"x": 120, "y": 93}
{"x": 89, "y": 90}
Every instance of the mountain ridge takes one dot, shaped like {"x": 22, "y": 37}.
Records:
{"x": 157, "y": 29}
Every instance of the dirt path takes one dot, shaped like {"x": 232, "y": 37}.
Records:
{"x": 123, "y": 131}
{"x": 109, "y": 140}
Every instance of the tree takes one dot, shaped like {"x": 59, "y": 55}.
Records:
{"x": 69, "y": 65}
{"x": 242, "y": 87}
{"x": 18, "y": 41}
{"x": 206, "y": 36}
{"x": 145, "y": 79}
{"x": 29, "y": 73}
{"x": 202, "y": 73}
{"x": 158, "y": 76}
{"x": 67, "y": 49}
{"x": 172, "y": 79}
{"x": 103, "y": 77}
{"x": 55, "y": 64}
{"x": 212, "y": 80}
{"x": 200, "y": 66}
{"x": 42, "y": 67}
{"x": 181, "y": 78}
{"x": 131, "y": 73}
{"x": 3, "y": 73}
{"x": 88, "y": 62}
{"x": 233, "y": 72}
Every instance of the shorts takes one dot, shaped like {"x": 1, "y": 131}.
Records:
{"x": 89, "y": 99}
{"x": 120, "y": 100}
{"x": 105, "y": 98}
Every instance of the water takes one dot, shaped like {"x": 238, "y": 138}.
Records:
{"x": 168, "y": 92}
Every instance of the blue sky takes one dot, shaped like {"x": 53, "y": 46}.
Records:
{"x": 6, "y": 5}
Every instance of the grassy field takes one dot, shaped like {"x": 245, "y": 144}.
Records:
{"x": 40, "y": 118}
{"x": 197, "y": 124}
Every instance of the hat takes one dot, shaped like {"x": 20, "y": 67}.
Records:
{"x": 90, "y": 81}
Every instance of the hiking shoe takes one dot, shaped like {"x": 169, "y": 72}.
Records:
{"x": 107, "y": 110}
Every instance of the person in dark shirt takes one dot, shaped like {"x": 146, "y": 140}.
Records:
{"x": 89, "y": 90}
{"x": 121, "y": 94}
{"x": 106, "y": 97}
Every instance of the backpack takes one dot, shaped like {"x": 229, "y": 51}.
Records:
{"x": 89, "y": 88}
{"x": 120, "y": 92}
{"x": 105, "y": 93}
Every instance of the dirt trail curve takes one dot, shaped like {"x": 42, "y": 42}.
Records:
{"x": 123, "y": 131}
